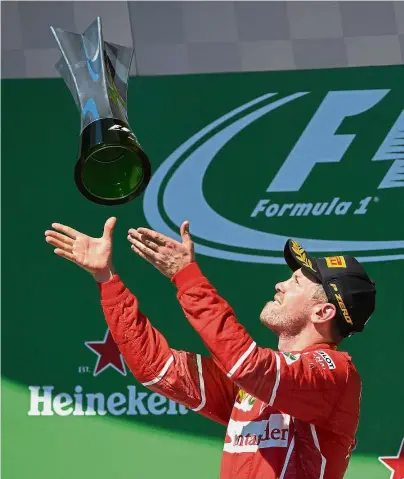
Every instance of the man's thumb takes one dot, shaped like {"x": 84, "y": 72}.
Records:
{"x": 185, "y": 235}
{"x": 109, "y": 228}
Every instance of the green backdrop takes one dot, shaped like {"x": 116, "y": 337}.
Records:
{"x": 51, "y": 308}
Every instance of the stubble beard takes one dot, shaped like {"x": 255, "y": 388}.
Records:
{"x": 280, "y": 321}
{"x": 274, "y": 318}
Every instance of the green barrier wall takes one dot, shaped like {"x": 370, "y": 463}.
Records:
{"x": 51, "y": 308}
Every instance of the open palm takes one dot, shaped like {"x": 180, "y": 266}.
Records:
{"x": 92, "y": 254}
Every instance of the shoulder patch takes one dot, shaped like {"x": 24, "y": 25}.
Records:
{"x": 329, "y": 362}
{"x": 291, "y": 358}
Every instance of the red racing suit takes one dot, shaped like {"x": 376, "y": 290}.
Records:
{"x": 289, "y": 415}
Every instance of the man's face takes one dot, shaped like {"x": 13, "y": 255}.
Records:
{"x": 292, "y": 306}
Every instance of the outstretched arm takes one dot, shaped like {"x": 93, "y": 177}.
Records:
{"x": 187, "y": 378}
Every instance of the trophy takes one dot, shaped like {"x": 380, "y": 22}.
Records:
{"x": 112, "y": 167}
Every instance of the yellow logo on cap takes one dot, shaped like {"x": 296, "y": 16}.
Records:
{"x": 301, "y": 255}
{"x": 335, "y": 262}
{"x": 343, "y": 308}
{"x": 341, "y": 304}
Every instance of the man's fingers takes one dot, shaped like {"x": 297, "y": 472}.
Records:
{"x": 54, "y": 235}
{"x": 65, "y": 254}
{"x": 153, "y": 255}
{"x": 153, "y": 235}
{"x": 148, "y": 242}
{"x": 184, "y": 231}
{"x": 66, "y": 229}
{"x": 143, "y": 255}
{"x": 59, "y": 244}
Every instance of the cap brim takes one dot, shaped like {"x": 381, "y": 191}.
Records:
{"x": 297, "y": 257}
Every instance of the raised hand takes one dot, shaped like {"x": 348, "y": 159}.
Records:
{"x": 164, "y": 253}
{"x": 92, "y": 254}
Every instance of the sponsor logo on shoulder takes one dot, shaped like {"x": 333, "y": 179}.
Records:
{"x": 291, "y": 358}
{"x": 330, "y": 363}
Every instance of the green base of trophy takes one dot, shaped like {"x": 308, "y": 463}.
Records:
{"x": 112, "y": 168}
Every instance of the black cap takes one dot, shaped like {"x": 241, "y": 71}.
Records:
{"x": 345, "y": 283}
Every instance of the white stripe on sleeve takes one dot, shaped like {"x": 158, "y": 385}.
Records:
{"x": 241, "y": 359}
{"x": 287, "y": 458}
{"x": 317, "y": 444}
{"x": 277, "y": 379}
{"x": 201, "y": 384}
{"x": 161, "y": 373}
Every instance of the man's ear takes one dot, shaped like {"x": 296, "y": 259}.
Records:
{"x": 323, "y": 312}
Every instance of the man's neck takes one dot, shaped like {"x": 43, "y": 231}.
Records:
{"x": 300, "y": 341}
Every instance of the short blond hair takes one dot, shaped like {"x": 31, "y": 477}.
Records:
{"x": 319, "y": 294}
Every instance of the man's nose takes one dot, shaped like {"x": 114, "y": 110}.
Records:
{"x": 280, "y": 287}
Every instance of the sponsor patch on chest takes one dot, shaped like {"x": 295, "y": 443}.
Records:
{"x": 248, "y": 436}
{"x": 244, "y": 401}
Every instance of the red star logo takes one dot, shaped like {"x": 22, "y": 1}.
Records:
{"x": 395, "y": 463}
{"x": 108, "y": 354}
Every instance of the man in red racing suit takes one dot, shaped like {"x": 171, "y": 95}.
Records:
{"x": 290, "y": 414}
